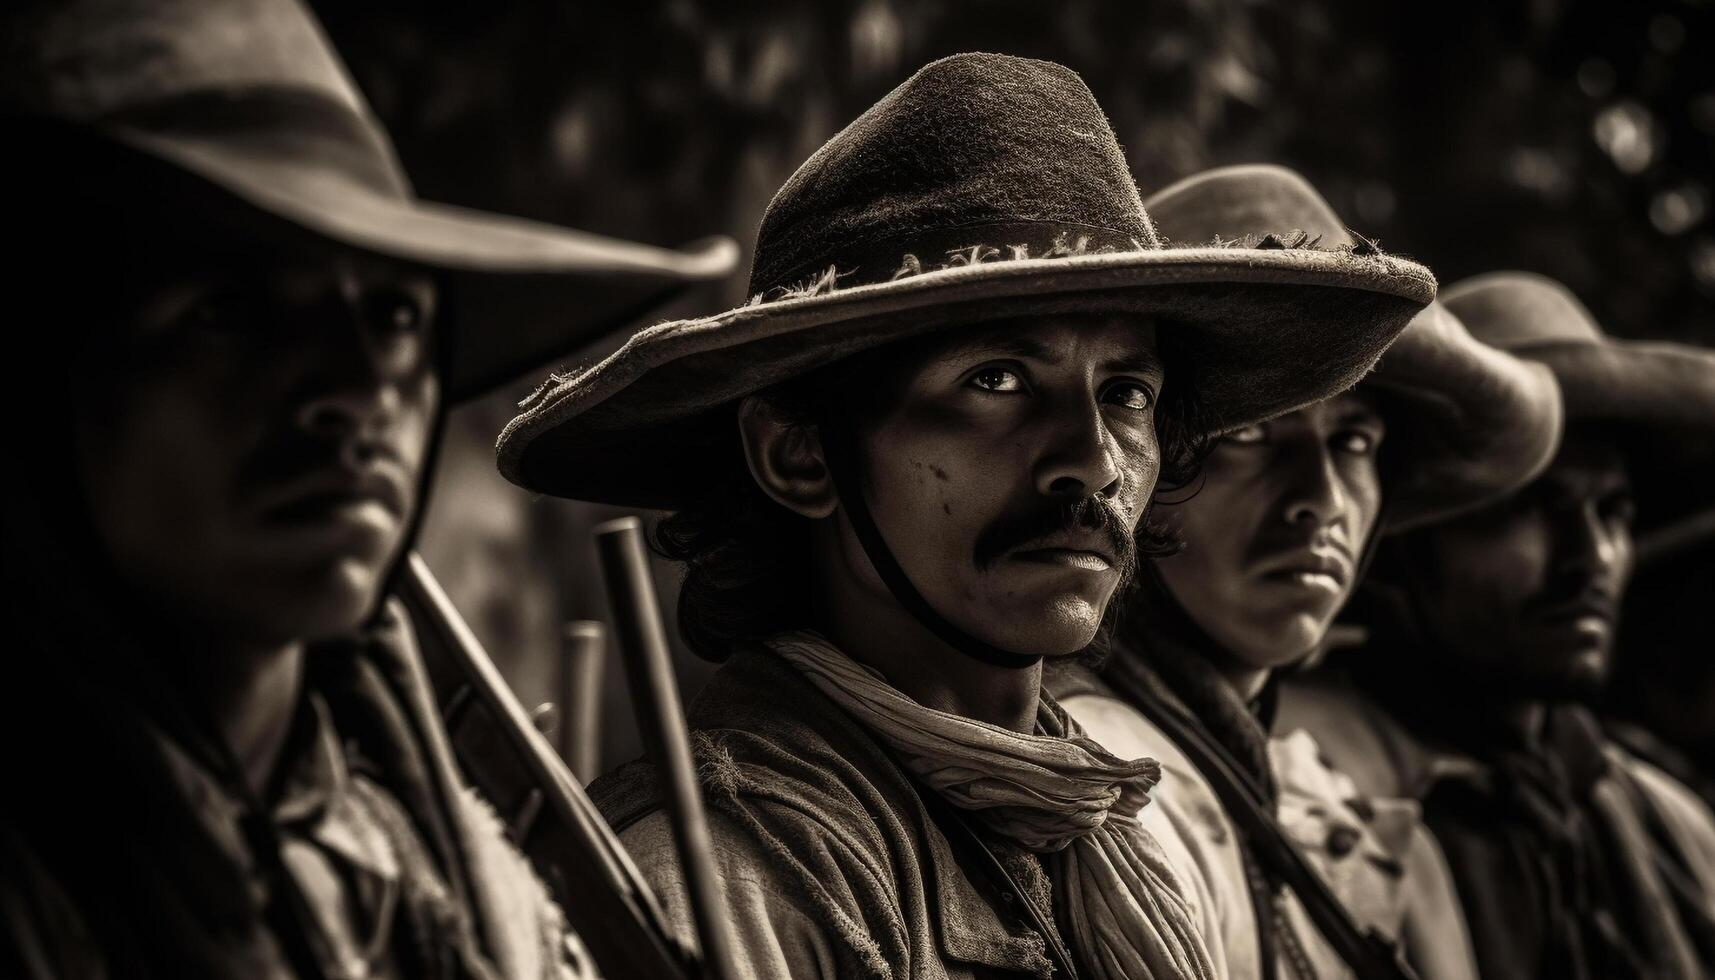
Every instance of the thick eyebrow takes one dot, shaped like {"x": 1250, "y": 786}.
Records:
{"x": 1136, "y": 362}
{"x": 1025, "y": 347}
{"x": 1362, "y": 415}
{"x": 1016, "y": 345}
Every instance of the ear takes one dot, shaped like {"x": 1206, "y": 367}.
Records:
{"x": 786, "y": 459}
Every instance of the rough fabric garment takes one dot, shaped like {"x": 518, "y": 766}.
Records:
{"x": 829, "y": 863}
{"x": 1056, "y": 792}
{"x": 1563, "y": 873}
{"x": 1359, "y": 846}
{"x": 1573, "y": 858}
{"x": 129, "y": 869}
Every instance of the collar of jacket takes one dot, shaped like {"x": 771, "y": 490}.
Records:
{"x": 794, "y": 767}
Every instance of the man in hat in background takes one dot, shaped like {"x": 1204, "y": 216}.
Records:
{"x": 1273, "y": 538}
{"x": 910, "y": 470}
{"x": 1487, "y": 635}
{"x": 224, "y": 758}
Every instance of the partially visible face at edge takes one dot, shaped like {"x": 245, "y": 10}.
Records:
{"x": 1008, "y": 469}
{"x": 252, "y": 458}
{"x": 1528, "y": 591}
{"x": 1273, "y": 532}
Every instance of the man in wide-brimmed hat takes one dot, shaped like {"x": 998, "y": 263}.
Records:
{"x": 1489, "y": 631}
{"x": 1270, "y": 541}
{"x": 903, "y": 475}
{"x": 222, "y": 755}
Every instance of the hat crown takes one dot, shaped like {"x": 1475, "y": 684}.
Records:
{"x": 254, "y": 71}
{"x": 83, "y": 60}
{"x": 1232, "y": 203}
{"x": 971, "y": 149}
{"x": 1514, "y": 310}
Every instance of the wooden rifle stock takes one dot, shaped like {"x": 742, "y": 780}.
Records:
{"x": 552, "y": 821}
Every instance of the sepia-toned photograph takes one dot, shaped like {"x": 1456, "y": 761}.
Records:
{"x": 938, "y": 490}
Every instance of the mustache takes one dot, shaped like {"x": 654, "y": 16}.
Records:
{"x": 1287, "y": 546}
{"x": 1014, "y": 531}
{"x": 1576, "y": 594}
{"x": 291, "y": 454}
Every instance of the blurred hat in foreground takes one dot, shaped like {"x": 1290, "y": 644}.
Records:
{"x": 250, "y": 97}
{"x": 1476, "y": 424}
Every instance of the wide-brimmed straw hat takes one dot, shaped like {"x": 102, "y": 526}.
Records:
{"x": 985, "y": 187}
{"x": 250, "y": 97}
{"x": 1658, "y": 398}
{"x": 1468, "y": 424}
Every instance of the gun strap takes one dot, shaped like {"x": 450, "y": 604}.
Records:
{"x": 1370, "y": 955}
{"x": 977, "y": 857}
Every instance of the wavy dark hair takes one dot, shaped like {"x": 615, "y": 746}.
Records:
{"x": 745, "y": 556}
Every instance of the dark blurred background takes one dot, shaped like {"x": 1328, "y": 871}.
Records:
{"x": 1576, "y": 139}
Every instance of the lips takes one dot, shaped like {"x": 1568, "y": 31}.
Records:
{"x": 1311, "y": 568}
{"x": 1585, "y": 607}
{"x": 331, "y": 489}
{"x": 1087, "y": 550}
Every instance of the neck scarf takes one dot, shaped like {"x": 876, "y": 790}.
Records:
{"x": 1058, "y": 794}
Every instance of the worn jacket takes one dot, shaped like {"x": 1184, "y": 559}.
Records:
{"x": 830, "y": 864}
{"x": 1572, "y": 859}
{"x": 1372, "y": 852}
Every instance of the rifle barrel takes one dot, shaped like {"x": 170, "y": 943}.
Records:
{"x": 583, "y": 647}
{"x": 604, "y": 898}
{"x": 661, "y": 720}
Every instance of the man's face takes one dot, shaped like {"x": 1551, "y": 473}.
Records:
{"x": 253, "y": 463}
{"x": 1529, "y": 589}
{"x": 1010, "y": 472}
{"x": 1273, "y": 532}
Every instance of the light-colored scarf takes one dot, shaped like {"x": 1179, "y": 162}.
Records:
{"x": 1058, "y": 794}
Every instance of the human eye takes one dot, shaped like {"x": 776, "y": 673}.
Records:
{"x": 1619, "y": 508}
{"x": 1247, "y": 435}
{"x": 1133, "y": 395}
{"x": 1358, "y": 442}
{"x": 398, "y": 310}
{"x": 997, "y": 378}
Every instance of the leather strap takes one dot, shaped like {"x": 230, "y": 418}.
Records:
{"x": 1370, "y": 955}
{"x": 842, "y": 459}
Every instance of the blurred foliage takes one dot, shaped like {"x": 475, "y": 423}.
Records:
{"x": 1570, "y": 138}
{"x": 1573, "y": 138}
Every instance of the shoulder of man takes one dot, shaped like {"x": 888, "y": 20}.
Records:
{"x": 1681, "y": 813}
{"x": 818, "y": 833}
{"x": 769, "y": 745}
{"x": 1358, "y": 737}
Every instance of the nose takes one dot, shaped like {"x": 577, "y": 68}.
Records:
{"x": 1316, "y": 494}
{"x": 1082, "y": 458}
{"x": 1591, "y": 545}
{"x": 356, "y": 384}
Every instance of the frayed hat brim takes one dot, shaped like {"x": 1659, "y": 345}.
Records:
{"x": 1256, "y": 332}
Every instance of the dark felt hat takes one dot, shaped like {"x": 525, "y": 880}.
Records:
{"x": 1475, "y": 424}
{"x": 249, "y": 96}
{"x": 985, "y": 187}
{"x": 1658, "y": 397}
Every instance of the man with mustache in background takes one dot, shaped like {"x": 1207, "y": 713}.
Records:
{"x": 223, "y": 758}
{"x": 1273, "y": 536}
{"x": 1489, "y": 632}
{"x": 903, "y": 476}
